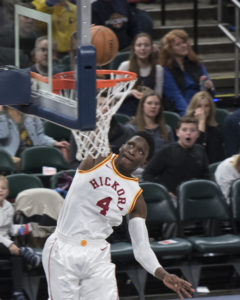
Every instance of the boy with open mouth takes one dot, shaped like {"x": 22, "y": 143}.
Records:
{"x": 179, "y": 161}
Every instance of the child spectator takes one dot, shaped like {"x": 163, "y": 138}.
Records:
{"x": 179, "y": 161}
{"x": 183, "y": 71}
{"x": 203, "y": 109}
{"x": 8, "y": 249}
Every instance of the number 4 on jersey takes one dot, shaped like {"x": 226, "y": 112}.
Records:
{"x": 104, "y": 204}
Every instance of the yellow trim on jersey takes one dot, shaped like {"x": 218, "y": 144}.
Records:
{"x": 118, "y": 173}
{"x": 134, "y": 200}
{"x": 96, "y": 166}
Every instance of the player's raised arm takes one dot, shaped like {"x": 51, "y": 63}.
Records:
{"x": 145, "y": 255}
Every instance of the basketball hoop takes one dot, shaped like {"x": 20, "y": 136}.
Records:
{"x": 111, "y": 92}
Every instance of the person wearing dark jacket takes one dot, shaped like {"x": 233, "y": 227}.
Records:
{"x": 180, "y": 161}
{"x": 203, "y": 109}
{"x": 118, "y": 16}
{"x": 231, "y": 131}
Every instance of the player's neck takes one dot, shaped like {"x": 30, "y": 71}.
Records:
{"x": 127, "y": 173}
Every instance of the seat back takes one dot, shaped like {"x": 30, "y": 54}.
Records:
{"x": 122, "y": 118}
{"x": 55, "y": 178}
{"x": 40, "y": 207}
{"x": 235, "y": 200}
{"x": 20, "y": 182}
{"x": 220, "y": 116}
{"x": 172, "y": 119}
{"x": 7, "y": 165}
{"x": 201, "y": 199}
{"x": 212, "y": 168}
{"x": 159, "y": 206}
{"x": 34, "y": 158}
{"x": 56, "y": 131}
{"x": 120, "y": 57}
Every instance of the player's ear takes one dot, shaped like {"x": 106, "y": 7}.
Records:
{"x": 121, "y": 147}
{"x": 144, "y": 163}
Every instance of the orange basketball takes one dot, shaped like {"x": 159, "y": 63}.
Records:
{"x": 106, "y": 44}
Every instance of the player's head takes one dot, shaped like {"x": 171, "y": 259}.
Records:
{"x": 135, "y": 152}
{"x": 148, "y": 138}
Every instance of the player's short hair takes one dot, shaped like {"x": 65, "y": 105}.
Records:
{"x": 148, "y": 138}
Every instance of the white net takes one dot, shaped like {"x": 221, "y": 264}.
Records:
{"x": 95, "y": 143}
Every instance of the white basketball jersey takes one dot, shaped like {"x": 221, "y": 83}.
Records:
{"x": 97, "y": 200}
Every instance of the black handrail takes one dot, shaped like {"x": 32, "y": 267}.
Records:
{"x": 195, "y": 25}
{"x": 163, "y": 10}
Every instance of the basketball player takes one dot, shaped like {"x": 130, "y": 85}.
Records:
{"x": 76, "y": 258}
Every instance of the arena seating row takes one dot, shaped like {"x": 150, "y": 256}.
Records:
{"x": 206, "y": 229}
{"x": 199, "y": 231}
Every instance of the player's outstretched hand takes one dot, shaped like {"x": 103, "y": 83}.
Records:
{"x": 182, "y": 287}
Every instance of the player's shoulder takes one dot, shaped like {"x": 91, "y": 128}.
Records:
{"x": 91, "y": 163}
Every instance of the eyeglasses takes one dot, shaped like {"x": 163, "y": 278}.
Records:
{"x": 45, "y": 50}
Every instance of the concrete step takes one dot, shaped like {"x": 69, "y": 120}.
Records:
{"x": 215, "y": 45}
{"x": 204, "y": 30}
{"x": 220, "y": 64}
{"x": 215, "y": 49}
{"x": 183, "y": 13}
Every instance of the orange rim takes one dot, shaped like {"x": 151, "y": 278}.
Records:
{"x": 66, "y": 80}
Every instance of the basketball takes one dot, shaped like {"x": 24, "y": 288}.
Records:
{"x": 106, "y": 44}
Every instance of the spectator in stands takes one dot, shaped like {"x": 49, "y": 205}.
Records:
{"x": 19, "y": 131}
{"x": 7, "y": 11}
{"x": 145, "y": 22}
{"x": 64, "y": 21}
{"x": 8, "y": 249}
{"x": 231, "y": 130}
{"x": 118, "y": 16}
{"x": 142, "y": 61}
{"x": 228, "y": 171}
{"x": 202, "y": 108}
{"x": 150, "y": 118}
{"x": 40, "y": 57}
{"x": 27, "y": 32}
{"x": 68, "y": 62}
{"x": 179, "y": 161}
{"x": 184, "y": 74}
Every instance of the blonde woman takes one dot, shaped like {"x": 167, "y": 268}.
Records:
{"x": 227, "y": 172}
{"x": 183, "y": 71}
{"x": 203, "y": 109}
{"x": 150, "y": 118}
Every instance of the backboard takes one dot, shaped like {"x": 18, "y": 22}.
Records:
{"x": 33, "y": 96}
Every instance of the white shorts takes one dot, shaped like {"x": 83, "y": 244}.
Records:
{"x": 79, "y": 272}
